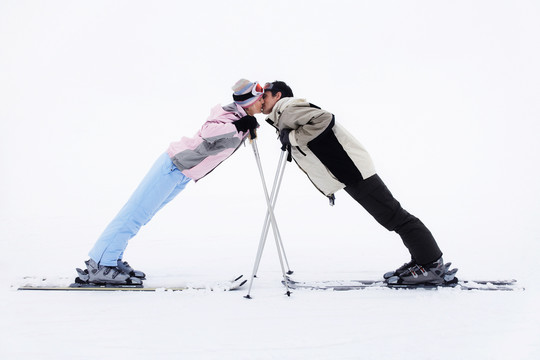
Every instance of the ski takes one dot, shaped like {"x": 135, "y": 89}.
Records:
{"x": 76, "y": 286}
{"x": 347, "y": 285}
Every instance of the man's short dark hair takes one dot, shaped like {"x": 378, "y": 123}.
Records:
{"x": 282, "y": 87}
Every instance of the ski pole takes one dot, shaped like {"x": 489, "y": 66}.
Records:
{"x": 264, "y": 234}
{"x": 272, "y": 221}
{"x": 266, "y": 227}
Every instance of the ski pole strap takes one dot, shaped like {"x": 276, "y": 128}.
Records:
{"x": 332, "y": 199}
{"x": 252, "y": 134}
{"x": 287, "y": 148}
{"x": 289, "y": 153}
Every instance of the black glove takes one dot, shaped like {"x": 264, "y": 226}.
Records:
{"x": 286, "y": 142}
{"x": 246, "y": 123}
{"x": 284, "y": 138}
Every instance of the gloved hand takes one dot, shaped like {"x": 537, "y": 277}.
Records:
{"x": 284, "y": 138}
{"x": 286, "y": 143}
{"x": 246, "y": 123}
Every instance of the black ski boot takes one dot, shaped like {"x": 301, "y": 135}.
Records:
{"x": 399, "y": 270}
{"x": 435, "y": 273}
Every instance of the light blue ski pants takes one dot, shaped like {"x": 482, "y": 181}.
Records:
{"x": 162, "y": 183}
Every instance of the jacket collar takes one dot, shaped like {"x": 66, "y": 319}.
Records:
{"x": 279, "y": 107}
{"x": 235, "y": 108}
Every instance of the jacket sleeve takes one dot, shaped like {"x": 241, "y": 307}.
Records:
{"x": 213, "y": 131}
{"x": 306, "y": 123}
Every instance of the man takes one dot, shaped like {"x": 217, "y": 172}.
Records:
{"x": 333, "y": 159}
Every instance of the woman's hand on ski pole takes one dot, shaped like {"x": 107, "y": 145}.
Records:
{"x": 247, "y": 123}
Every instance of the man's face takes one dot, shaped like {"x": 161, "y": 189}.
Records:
{"x": 269, "y": 101}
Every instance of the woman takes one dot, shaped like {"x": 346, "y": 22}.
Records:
{"x": 188, "y": 159}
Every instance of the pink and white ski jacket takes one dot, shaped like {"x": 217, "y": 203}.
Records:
{"x": 217, "y": 139}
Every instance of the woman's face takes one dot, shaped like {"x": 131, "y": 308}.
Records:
{"x": 256, "y": 107}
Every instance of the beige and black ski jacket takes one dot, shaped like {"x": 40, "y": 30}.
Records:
{"x": 329, "y": 155}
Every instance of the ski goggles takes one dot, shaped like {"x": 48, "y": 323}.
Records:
{"x": 257, "y": 90}
{"x": 268, "y": 86}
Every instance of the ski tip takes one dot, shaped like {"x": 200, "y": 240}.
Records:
{"x": 238, "y": 278}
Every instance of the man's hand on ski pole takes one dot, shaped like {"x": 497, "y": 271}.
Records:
{"x": 286, "y": 142}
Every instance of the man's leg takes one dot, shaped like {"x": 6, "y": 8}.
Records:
{"x": 160, "y": 185}
{"x": 375, "y": 197}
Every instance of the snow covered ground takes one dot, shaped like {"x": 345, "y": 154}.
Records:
{"x": 443, "y": 94}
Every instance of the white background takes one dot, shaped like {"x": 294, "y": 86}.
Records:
{"x": 443, "y": 94}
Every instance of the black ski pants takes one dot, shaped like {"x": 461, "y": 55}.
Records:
{"x": 375, "y": 197}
